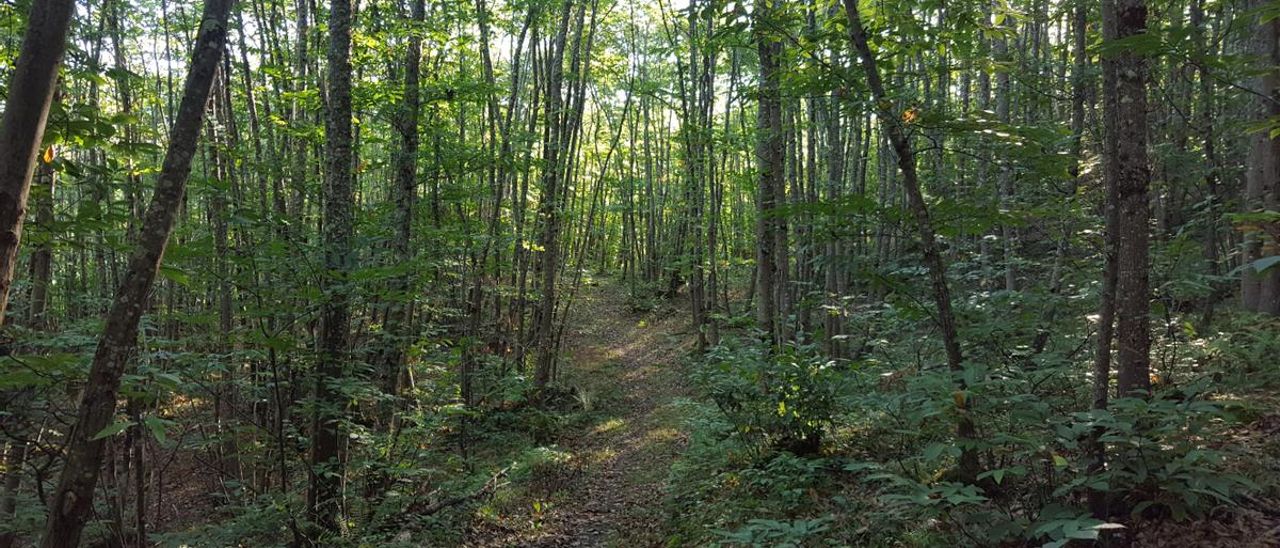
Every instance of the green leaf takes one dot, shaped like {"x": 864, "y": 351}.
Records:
{"x": 176, "y": 275}
{"x": 112, "y": 430}
{"x": 1059, "y": 461}
{"x": 158, "y": 426}
{"x": 1261, "y": 265}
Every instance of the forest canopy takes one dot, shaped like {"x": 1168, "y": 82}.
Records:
{"x": 612, "y": 272}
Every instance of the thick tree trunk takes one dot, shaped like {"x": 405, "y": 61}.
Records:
{"x": 1126, "y": 82}
{"x": 72, "y": 501}
{"x": 1260, "y": 292}
{"x": 31, "y": 88}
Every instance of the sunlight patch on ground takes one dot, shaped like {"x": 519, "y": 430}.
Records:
{"x": 609, "y": 426}
{"x": 638, "y": 374}
{"x": 600, "y": 455}
{"x": 661, "y": 435}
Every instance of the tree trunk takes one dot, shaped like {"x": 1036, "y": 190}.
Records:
{"x": 1260, "y": 291}
{"x": 1126, "y": 86}
{"x": 17, "y": 450}
{"x": 1000, "y": 52}
{"x": 31, "y": 88}
{"x": 769, "y": 157}
{"x": 72, "y": 502}
{"x": 891, "y": 121}
{"x": 324, "y": 496}
{"x": 405, "y": 195}
{"x": 1081, "y": 64}
{"x": 550, "y": 204}
{"x": 1206, "y": 129}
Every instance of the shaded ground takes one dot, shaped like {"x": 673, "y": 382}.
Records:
{"x": 627, "y": 369}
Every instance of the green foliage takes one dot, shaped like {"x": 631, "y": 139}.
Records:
{"x": 890, "y": 449}
{"x": 725, "y": 489}
{"x": 786, "y": 400}
{"x": 788, "y": 534}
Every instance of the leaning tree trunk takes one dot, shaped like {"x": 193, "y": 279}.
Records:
{"x": 969, "y": 465}
{"x": 35, "y": 76}
{"x": 72, "y": 502}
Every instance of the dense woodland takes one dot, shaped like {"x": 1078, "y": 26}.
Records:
{"x": 386, "y": 272}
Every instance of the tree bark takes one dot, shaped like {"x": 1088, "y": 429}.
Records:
{"x": 1126, "y": 83}
{"x": 405, "y": 195}
{"x": 17, "y": 450}
{"x": 551, "y": 204}
{"x": 1260, "y": 291}
{"x": 892, "y": 124}
{"x": 72, "y": 502}
{"x": 1206, "y": 129}
{"x": 324, "y": 495}
{"x": 770, "y": 164}
{"x": 1004, "y": 184}
{"x": 31, "y": 88}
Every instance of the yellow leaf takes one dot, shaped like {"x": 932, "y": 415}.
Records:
{"x": 910, "y": 116}
{"x": 48, "y": 155}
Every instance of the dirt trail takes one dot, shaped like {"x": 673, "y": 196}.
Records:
{"x": 627, "y": 367}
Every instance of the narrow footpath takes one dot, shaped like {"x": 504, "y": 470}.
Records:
{"x": 627, "y": 366}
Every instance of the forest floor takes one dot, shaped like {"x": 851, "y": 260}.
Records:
{"x": 627, "y": 369}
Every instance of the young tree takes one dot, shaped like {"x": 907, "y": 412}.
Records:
{"x": 551, "y": 203}
{"x": 72, "y": 501}
{"x": 406, "y": 198}
{"x": 892, "y": 123}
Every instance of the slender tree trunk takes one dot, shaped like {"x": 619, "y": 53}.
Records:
{"x": 324, "y": 496}
{"x": 1000, "y": 51}
{"x": 405, "y": 195}
{"x": 1081, "y": 63}
{"x": 72, "y": 502}
{"x": 17, "y": 450}
{"x": 551, "y": 204}
{"x": 1209, "y": 145}
{"x": 891, "y": 122}
{"x": 771, "y": 169}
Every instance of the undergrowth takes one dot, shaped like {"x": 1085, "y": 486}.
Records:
{"x": 791, "y": 449}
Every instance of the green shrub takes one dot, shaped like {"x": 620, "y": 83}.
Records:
{"x": 786, "y": 400}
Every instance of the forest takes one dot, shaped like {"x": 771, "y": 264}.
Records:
{"x": 900, "y": 273}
